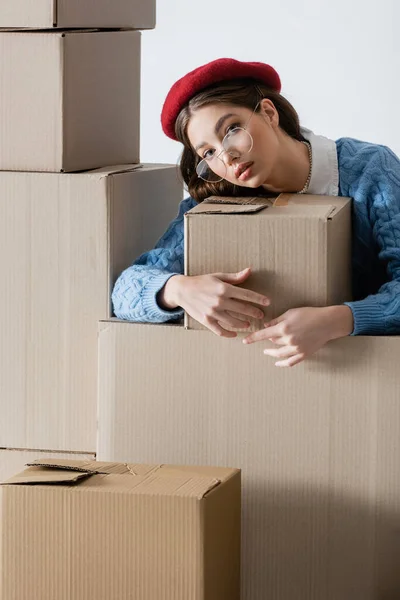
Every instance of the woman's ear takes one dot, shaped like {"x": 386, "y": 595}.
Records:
{"x": 269, "y": 112}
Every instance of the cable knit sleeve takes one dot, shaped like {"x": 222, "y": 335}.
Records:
{"x": 379, "y": 314}
{"x": 135, "y": 291}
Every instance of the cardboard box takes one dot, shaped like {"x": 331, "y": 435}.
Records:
{"x": 318, "y": 445}
{"x": 97, "y": 531}
{"x": 64, "y": 239}
{"x": 70, "y": 100}
{"x": 299, "y": 248}
{"x": 13, "y": 461}
{"x": 47, "y": 14}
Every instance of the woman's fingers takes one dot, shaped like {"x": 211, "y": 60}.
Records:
{"x": 238, "y": 316}
{"x": 233, "y": 278}
{"x": 285, "y": 352}
{"x": 216, "y": 328}
{"x": 291, "y": 362}
{"x": 289, "y": 356}
{"x": 249, "y": 296}
{"x": 227, "y": 318}
{"x": 243, "y": 309}
{"x": 274, "y": 332}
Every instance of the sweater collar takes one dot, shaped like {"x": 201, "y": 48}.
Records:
{"x": 325, "y": 170}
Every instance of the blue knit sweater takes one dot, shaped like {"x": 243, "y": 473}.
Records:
{"x": 368, "y": 173}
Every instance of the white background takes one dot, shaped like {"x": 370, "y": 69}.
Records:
{"x": 339, "y": 61}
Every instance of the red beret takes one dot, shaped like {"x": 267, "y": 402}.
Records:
{"x": 221, "y": 69}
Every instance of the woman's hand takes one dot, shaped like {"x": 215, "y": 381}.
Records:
{"x": 215, "y": 300}
{"x": 300, "y": 332}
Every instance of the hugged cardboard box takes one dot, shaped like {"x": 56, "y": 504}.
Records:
{"x": 81, "y": 530}
{"x": 47, "y": 14}
{"x": 299, "y": 248}
{"x": 318, "y": 445}
{"x": 70, "y": 100}
{"x": 64, "y": 239}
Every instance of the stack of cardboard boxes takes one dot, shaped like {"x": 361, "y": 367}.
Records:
{"x": 76, "y": 207}
{"x": 319, "y": 445}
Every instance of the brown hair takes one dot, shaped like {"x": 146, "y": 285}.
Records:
{"x": 240, "y": 92}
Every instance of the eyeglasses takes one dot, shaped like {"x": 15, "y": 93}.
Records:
{"x": 237, "y": 142}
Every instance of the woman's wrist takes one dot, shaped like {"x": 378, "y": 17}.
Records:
{"x": 168, "y": 296}
{"x": 341, "y": 321}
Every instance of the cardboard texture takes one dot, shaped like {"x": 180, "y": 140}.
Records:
{"x": 96, "y": 531}
{"x": 299, "y": 248}
{"x": 318, "y": 445}
{"x": 48, "y": 14}
{"x": 70, "y": 101}
{"x": 13, "y": 461}
{"x": 64, "y": 240}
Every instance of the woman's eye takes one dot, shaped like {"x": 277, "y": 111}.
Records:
{"x": 208, "y": 154}
{"x": 232, "y": 127}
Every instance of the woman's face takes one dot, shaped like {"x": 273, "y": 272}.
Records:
{"x": 208, "y": 126}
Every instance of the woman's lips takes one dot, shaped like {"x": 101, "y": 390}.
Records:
{"x": 244, "y": 171}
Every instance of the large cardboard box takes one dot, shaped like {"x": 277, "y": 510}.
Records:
{"x": 13, "y": 461}
{"x": 101, "y": 531}
{"x": 70, "y": 100}
{"x": 299, "y": 248}
{"x": 318, "y": 445}
{"x": 64, "y": 239}
{"x": 47, "y": 14}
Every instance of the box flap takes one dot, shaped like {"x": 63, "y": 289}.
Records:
{"x": 64, "y": 464}
{"x": 241, "y": 200}
{"x": 114, "y": 170}
{"x": 37, "y": 475}
{"x": 121, "y": 169}
{"x": 56, "y": 470}
{"x": 224, "y": 205}
{"x": 85, "y": 466}
{"x": 118, "y": 169}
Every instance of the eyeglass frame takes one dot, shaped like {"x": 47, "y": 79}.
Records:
{"x": 229, "y": 152}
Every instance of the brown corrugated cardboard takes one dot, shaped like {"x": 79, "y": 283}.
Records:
{"x": 100, "y": 531}
{"x": 13, "y": 461}
{"x": 318, "y": 445}
{"x": 69, "y": 101}
{"x": 64, "y": 240}
{"x": 298, "y": 247}
{"x": 47, "y": 14}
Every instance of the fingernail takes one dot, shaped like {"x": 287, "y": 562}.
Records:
{"x": 266, "y": 302}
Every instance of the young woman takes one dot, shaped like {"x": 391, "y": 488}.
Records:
{"x": 241, "y": 137}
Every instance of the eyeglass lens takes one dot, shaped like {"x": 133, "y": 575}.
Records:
{"x": 236, "y": 143}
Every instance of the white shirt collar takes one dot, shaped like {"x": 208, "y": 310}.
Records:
{"x": 325, "y": 170}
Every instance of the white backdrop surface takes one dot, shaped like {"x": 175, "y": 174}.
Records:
{"x": 339, "y": 61}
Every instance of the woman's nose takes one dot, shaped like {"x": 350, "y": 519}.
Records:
{"x": 226, "y": 157}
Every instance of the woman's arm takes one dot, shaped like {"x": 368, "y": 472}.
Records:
{"x": 379, "y": 314}
{"x": 135, "y": 292}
